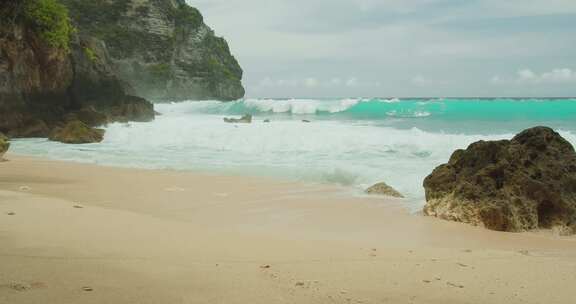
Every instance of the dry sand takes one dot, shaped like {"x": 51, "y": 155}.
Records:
{"x": 74, "y": 233}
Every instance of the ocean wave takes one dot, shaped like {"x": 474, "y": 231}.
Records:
{"x": 192, "y": 136}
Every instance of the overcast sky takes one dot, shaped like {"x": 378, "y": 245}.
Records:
{"x": 400, "y": 48}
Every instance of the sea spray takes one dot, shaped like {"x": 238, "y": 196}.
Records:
{"x": 350, "y": 142}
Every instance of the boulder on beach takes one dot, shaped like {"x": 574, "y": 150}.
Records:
{"x": 515, "y": 185}
{"x": 4, "y": 145}
{"x": 244, "y": 119}
{"x": 384, "y": 189}
{"x": 76, "y": 132}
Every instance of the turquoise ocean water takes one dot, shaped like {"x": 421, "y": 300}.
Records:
{"x": 353, "y": 142}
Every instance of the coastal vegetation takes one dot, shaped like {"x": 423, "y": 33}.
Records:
{"x": 49, "y": 18}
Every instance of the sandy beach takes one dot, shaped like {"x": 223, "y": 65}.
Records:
{"x": 77, "y": 233}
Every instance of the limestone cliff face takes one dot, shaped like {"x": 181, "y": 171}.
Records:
{"x": 48, "y": 73}
{"x": 161, "y": 49}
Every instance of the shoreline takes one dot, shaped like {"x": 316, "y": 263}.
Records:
{"x": 153, "y": 236}
{"x": 353, "y": 190}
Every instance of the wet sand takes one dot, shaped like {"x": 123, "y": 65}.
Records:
{"x": 75, "y": 233}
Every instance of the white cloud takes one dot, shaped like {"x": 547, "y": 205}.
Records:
{"x": 529, "y": 77}
{"x": 352, "y": 82}
{"x": 420, "y": 80}
{"x": 311, "y": 82}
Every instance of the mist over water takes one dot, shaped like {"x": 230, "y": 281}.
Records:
{"x": 351, "y": 142}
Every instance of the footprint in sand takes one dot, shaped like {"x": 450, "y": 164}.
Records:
{"x": 454, "y": 285}
{"x": 23, "y": 286}
{"x": 174, "y": 189}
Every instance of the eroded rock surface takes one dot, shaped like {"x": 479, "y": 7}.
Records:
{"x": 76, "y": 132}
{"x": 521, "y": 184}
{"x": 161, "y": 49}
{"x": 4, "y": 146}
{"x": 384, "y": 189}
{"x": 42, "y": 83}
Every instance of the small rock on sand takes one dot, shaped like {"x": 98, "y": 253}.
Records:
{"x": 24, "y": 188}
{"x": 11, "y": 213}
{"x": 87, "y": 288}
{"x": 385, "y": 190}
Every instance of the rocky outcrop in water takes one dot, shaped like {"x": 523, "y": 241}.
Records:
{"x": 525, "y": 183}
{"x": 48, "y": 71}
{"x": 385, "y": 190}
{"x": 161, "y": 49}
{"x": 244, "y": 119}
{"x": 76, "y": 132}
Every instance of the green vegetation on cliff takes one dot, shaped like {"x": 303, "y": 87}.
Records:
{"x": 187, "y": 15}
{"x": 49, "y": 18}
{"x": 161, "y": 48}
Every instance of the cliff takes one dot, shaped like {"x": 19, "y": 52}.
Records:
{"x": 49, "y": 73}
{"x": 161, "y": 49}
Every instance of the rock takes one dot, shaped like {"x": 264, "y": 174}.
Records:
{"x": 44, "y": 84}
{"x": 77, "y": 132}
{"x": 4, "y": 145}
{"x": 31, "y": 128}
{"x": 384, "y": 189}
{"x": 513, "y": 185}
{"x": 266, "y": 120}
{"x": 133, "y": 109}
{"x": 244, "y": 119}
{"x": 161, "y": 49}
{"x": 306, "y": 121}
{"x": 88, "y": 115}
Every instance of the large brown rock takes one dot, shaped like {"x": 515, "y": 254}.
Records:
{"x": 525, "y": 183}
{"x": 77, "y": 132}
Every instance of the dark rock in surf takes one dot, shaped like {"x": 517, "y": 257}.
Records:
{"x": 244, "y": 119}
{"x": 514, "y": 185}
{"x": 76, "y": 132}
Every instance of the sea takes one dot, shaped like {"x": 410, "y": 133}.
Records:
{"x": 351, "y": 142}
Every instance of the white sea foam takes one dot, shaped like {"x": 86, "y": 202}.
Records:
{"x": 300, "y": 106}
{"x": 350, "y": 153}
